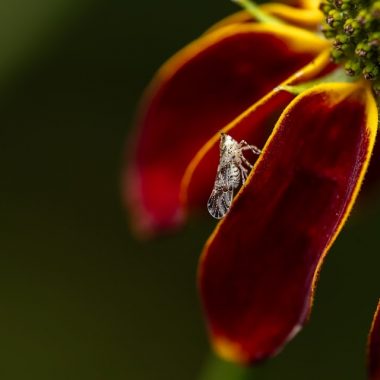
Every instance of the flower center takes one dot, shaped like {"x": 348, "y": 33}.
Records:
{"x": 354, "y": 27}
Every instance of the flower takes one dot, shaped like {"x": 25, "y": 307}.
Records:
{"x": 272, "y": 84}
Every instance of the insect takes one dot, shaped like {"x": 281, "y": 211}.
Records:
{"x": 232, "y": 170}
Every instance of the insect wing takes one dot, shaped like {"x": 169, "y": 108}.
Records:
{"x": 219, "y": 203}
{"x": 221, "y": 196}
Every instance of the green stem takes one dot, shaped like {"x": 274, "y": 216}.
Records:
{"x": 257, "y": 12}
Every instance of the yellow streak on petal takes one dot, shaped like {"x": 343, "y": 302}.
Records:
{"x": 307, "y": 18}
{"x": 309, "y": 4}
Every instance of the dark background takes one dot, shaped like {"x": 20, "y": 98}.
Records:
{"x": 80, "y": 298}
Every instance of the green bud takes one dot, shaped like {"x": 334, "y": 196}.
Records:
{"x": 342, "y": 42}
{"x": 337, "y": 55}
{"x": 375, "y": 10}
{"x": 346, "y": 6}
{"x": 374, "y": 39}
{"x": 352, "y": 68}
{"x": 334, "y": 18}
{"x": 327, "y": 30}
{"x": 364, "y": 18}
{"x": 376, "y": 88}
{"x": 325, "y": 7}
{"x": 371, "y": 71}
{"x": 352, "y": 27}
{"x": 362, "y": 49}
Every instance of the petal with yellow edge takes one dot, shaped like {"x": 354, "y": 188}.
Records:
{"x": 308, "y": 4}
{"x": 259, "y": 268}
{"x": 196, "y": 93}
{"x": 254, "y": 125}
{"x": 303, "y": 17}
{"x": 309, "y": 18}
{"x": 374, "y": 347}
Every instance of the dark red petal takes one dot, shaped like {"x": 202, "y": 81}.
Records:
{"x": 199, "y": 91}
{"x": 259, "y": 267}
{"x": 374, "y": 347}
{"x": 254, "y": 125}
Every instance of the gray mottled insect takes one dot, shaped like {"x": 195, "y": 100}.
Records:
{"x": 232, "y": 170}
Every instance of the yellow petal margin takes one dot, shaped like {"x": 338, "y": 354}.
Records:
{"x": 308, "y": 18}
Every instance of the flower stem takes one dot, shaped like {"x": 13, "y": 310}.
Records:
{"x": 257, "y": 12}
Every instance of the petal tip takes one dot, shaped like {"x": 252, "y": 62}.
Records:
{"x": 234, "y": 352}
{"x": 146, "y": 222}
{"x": 229, "y": 350}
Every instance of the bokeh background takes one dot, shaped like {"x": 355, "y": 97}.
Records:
{"x": 80, "y": 298}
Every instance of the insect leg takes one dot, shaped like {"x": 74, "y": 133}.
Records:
{"x": 246, "y": 162}
{"x": 245, "y": 146}
{"x": 244, "y": 173}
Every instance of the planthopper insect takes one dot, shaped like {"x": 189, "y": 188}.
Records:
{"x": 232, "y": 170}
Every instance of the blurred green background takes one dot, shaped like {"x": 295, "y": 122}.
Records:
{"x": 80, "y": 298}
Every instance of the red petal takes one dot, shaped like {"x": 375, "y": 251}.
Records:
{"x": 259, "y": 267}
{"x": 254, "y": 125}
{"x": 374, "y": 347}
{"x": 199, "y": 91}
